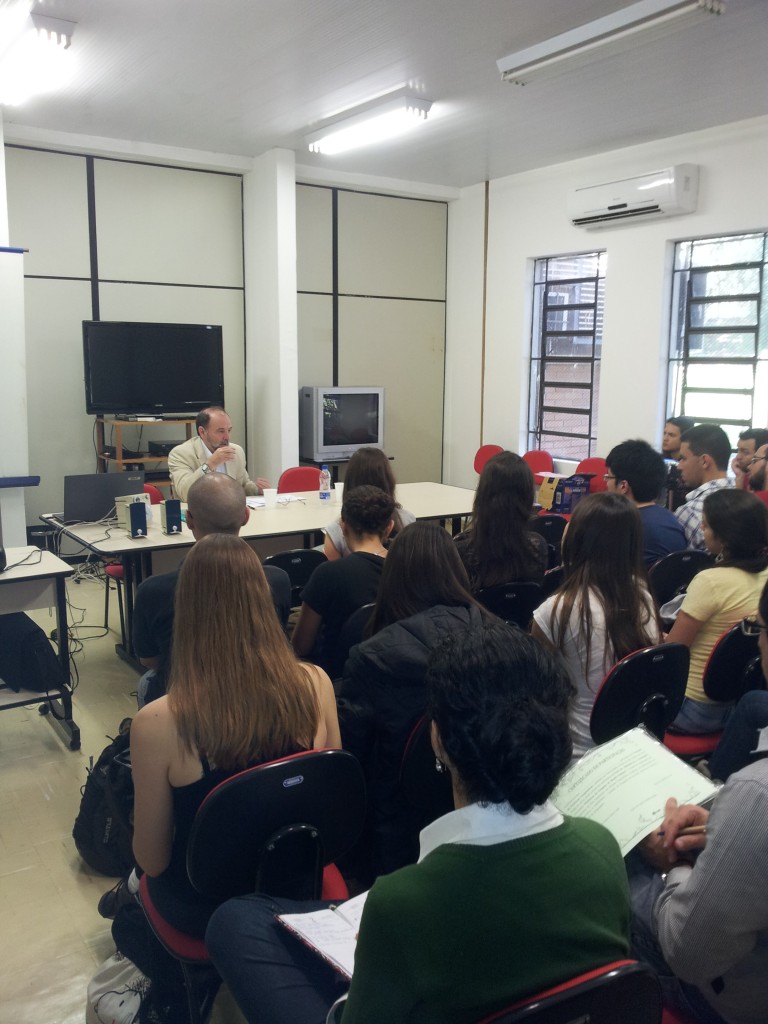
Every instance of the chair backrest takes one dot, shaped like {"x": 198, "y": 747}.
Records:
{"x": 597, "y": 466}
{"x": 753, "y": 678}
{"x": 512, "y": 602}
{"x": 645, "y": 688}
{"x": 273, "y": 827}
{"x": 539, "y": 461}
{"x": 299, "y": 563}
{"x": 155, "y": 494}
{"x": 299, "y": 478}
{"x": 671, "y": 575}
{"x": 551, "y": 527}
{"x": 427, "y": 790}
{"x": 485, "y": 452}
{"x": 729, "y": 659}
{"x": 624, "y": 991}
{"x": 351, "y": 632}
{"x": 553, "y": 580}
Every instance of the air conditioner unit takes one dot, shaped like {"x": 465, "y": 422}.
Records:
{"x": 661, "y": 193}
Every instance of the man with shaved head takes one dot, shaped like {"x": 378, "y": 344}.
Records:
{"x": 216, "y": 504}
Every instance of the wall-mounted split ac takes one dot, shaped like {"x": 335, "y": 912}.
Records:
{"x": 661, "y": 193}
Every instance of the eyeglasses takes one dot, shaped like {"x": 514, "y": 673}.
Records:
{"x": 757, "y": 458}
{"x": 609, "y": 476}
{"x": 751, "y": 627}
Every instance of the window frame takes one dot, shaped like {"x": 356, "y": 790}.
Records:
{"x": 545, "y": 286}
{"x": 685, "y": 328}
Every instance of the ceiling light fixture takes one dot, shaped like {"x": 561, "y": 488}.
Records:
{"x": 519, "y": 67}
{"x": 57, "y": 31}
{"x": 373, "y": 122}
{"x": 35, "y": 58}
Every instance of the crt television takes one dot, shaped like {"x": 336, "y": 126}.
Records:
{"x": 335, "y": 422}
{"x": 151, "y": 369}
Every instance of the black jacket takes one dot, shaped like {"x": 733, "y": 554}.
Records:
{"x": 382, "y": 696}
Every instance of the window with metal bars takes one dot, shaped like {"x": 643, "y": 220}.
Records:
{"x": 566, "y": 345}
{"x": 718, "y": 341}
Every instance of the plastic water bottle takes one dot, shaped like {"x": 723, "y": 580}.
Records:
{"x": 325, "y": 485}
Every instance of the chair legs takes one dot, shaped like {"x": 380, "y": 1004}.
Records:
{"x": 118, "y": 584}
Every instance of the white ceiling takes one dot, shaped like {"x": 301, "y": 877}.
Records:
{"x": 240, "y": 77}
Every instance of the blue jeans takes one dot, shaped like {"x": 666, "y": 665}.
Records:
{"x": 645, "y": 886}
{"x": 273, "y": 977}
{"x": 740, "y": 736}
{"x": 697, "y": 718}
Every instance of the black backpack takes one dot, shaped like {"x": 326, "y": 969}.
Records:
{"x": 27, "y": 660}
{"x": 103, "y": 829}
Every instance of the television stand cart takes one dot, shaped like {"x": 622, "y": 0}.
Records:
{"x": 103, "y": 459}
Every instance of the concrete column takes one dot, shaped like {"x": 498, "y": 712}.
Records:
{"x": 271, "y": 360}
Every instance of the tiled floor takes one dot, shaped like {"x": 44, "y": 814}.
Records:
{"x": 51, "y": 936}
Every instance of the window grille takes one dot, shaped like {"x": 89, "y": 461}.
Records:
{"x": 566, "y": 345}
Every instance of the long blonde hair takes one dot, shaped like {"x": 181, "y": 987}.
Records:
{"x": 236, "y": 691}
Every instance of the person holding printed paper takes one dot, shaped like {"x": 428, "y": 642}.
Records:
{"x": 702, "y": 920}
{"x": 508, "y": 898}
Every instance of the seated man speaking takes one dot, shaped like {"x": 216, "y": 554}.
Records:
{"x": 210, "y": 452}
{"x": 216, "y": 505}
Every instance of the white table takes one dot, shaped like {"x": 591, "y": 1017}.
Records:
{"x": 39, "y": 583}
{"x": 304, "y": 517}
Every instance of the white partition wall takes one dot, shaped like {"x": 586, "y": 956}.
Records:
{"x": 371, "y": 307}
{"x": 116, "y": 240}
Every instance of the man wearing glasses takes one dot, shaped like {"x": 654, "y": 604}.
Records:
{"x": 746, "y": 450}
{"x": 756, "y": 473}
{"x": 639, "y": 472}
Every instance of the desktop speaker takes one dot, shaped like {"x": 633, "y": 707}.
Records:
{"x": 3, "y": 560}
{"x": 138, "y": 519}
{"x": 170, "y": 515}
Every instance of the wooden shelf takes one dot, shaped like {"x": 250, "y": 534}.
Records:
{"x": 103, "y": 460}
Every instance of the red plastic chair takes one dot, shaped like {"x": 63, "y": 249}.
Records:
{"x": 540, "y": 463}
{"x": 485, "y": 452}
{"x": 115, "y": 571}
{"x": 625, "y": 991}
{"x": 275, "y": 828}
{"x": 299, "y": 478}
{"x": 597, "y": 466}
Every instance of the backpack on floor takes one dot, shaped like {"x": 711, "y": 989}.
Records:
{"x": 103, "y": 829}
{"x": 27, "y": 660}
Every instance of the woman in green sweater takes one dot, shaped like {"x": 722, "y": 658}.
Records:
{"x": 507, "y": 898}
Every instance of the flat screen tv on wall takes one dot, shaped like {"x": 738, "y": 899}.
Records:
{"x": 151, "y": 369}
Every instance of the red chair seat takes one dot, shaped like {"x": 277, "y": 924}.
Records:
{"x": 185, "y": 947}
{"x": 686, "y": 745}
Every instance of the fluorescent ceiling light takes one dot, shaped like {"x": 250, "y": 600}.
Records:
{"x": 373, "y": 122}
{"x": 569, "y": 46}
{"x": 34, "y": 58}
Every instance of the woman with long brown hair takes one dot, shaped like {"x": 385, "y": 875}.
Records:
{"x": 498, "y": 547}
{"x": 603, "y": 609}
{"x": 236, "y": 697}
{"x": 368, "y": 467}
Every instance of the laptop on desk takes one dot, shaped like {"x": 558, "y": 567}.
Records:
{"x": 90, "y": 497}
